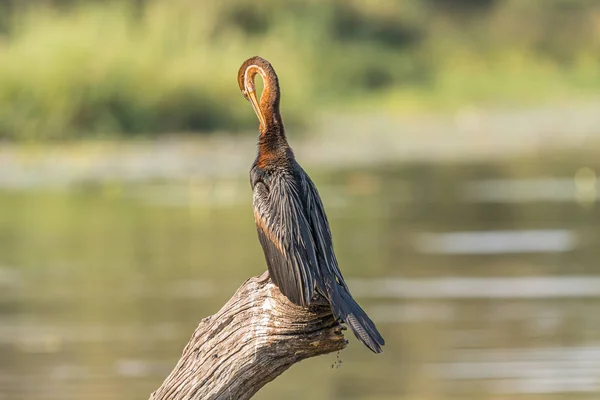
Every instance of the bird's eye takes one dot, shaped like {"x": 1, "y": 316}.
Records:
{"x": 245, "y": 93}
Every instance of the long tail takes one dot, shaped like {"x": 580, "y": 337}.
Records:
{"x": 345, "y": 308}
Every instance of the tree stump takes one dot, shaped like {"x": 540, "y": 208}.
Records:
{"x": 254, "y": 338}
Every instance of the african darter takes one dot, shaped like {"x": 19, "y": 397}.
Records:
{"x": 291, "y": 222}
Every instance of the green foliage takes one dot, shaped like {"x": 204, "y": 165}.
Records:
{"x": 73, "y": 69}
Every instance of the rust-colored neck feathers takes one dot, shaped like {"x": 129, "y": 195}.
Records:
{"x": 272, "y": 141}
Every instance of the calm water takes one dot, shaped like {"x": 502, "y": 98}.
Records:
{"x": 484, "y": 280}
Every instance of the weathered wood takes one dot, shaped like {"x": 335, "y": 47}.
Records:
{"x": 254, "y": 338}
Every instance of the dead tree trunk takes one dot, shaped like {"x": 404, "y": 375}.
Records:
{"x": 256, "y": 336}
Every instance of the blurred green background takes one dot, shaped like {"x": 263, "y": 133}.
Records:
{"x": 71, "y": 69}
{"x": 455, "y": 144}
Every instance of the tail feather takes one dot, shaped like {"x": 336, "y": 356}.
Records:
{"x": 345, "y": 308}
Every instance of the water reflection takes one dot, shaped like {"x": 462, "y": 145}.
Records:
{"x": 497, "y": 242}
{"x": 483, "y": 279}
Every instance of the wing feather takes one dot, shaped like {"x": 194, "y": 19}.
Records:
{"x": 286, "y": 238}
{"x": 330, "y": 280}
{"x": 321, "y": 232}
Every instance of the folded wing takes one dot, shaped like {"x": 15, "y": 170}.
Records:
{"x": 285, "y": 235}
{"x": 331, "y": 281}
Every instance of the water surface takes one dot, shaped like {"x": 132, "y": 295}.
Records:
{"x": 483, "y": 278}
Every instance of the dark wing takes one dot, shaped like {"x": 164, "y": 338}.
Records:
{"x": 321, "y": 233}
{"x": 285, "y": 236}
{"x": 330, "y": 280}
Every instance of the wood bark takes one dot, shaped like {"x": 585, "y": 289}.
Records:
{"x": 254, "y": 338}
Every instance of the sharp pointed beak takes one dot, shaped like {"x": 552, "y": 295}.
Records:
{"x": 255, "y": 106}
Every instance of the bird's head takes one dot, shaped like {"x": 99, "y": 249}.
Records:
{"x": 270, "y": 96}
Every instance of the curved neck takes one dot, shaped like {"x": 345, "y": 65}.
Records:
{"x": 269, "y": 106}
{"x": 272, "y": 141}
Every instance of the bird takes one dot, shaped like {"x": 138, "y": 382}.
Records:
{"x": 292, "y": 226}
